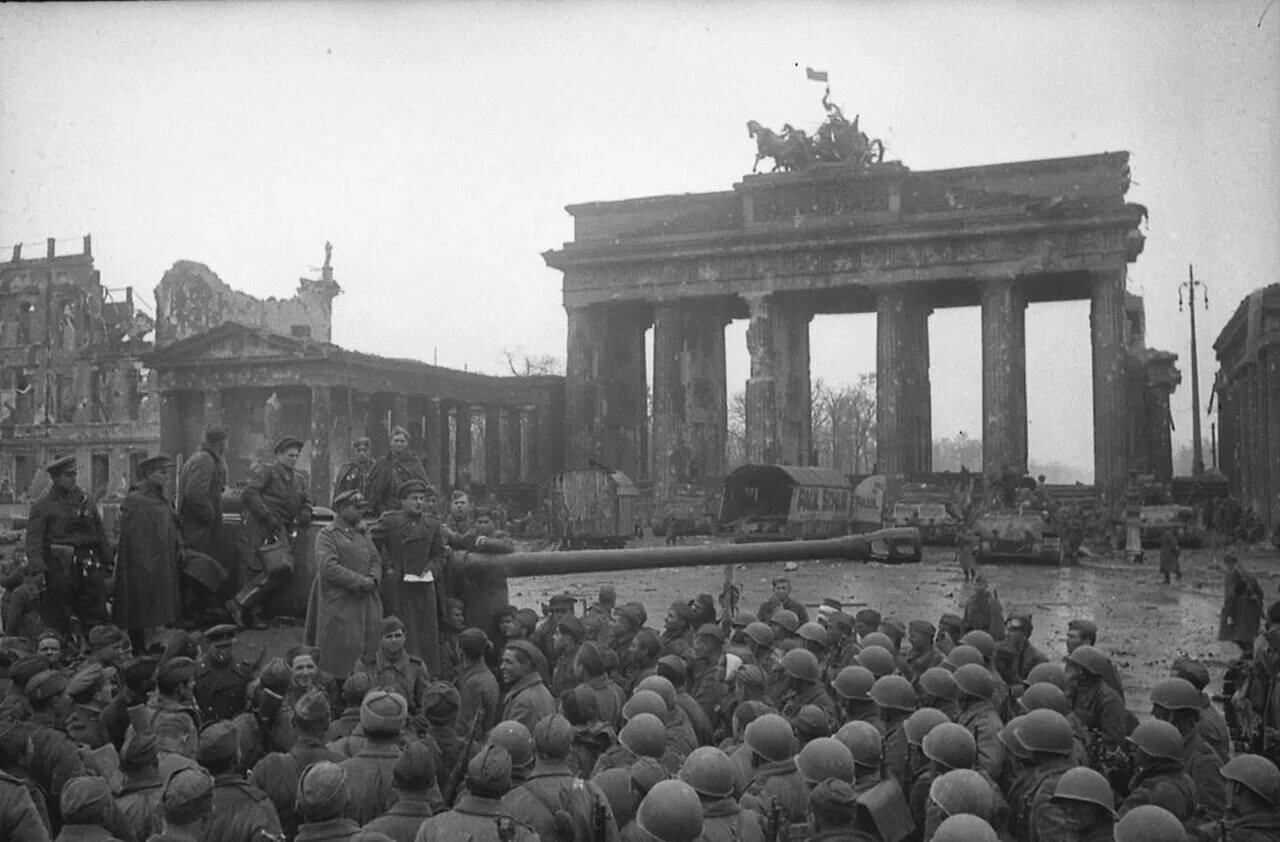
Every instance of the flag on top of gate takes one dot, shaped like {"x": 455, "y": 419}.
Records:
{"x": 815, "y": 75}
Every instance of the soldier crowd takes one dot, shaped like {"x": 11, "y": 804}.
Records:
{"x": 397, "y": 719}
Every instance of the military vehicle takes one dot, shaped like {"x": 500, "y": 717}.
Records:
{"x": 1017, "y": 536}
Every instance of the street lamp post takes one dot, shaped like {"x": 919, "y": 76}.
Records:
{"x": 1190, "y": 285}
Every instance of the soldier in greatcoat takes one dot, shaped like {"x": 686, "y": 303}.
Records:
{"x": 392, "y": 471}
{"x": 344, "y": 612}
{"x": 414, "y": 546}
{"x": 147, "y": 590}
{"x": 201, "y": 481}
{"x": 276, "y": 504}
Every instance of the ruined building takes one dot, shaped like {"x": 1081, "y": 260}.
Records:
{"x": 72, "y": 382}
{"x": 1248, "y": 394}
{"x": 1153, "y": 376}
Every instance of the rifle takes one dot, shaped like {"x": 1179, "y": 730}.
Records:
{"x": 774, "y": 831}
{"x": 459, "y": 769}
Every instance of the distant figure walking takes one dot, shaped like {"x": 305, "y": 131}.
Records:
{"x": 1169, "y": 562}
{"x": 1241, "y": 606}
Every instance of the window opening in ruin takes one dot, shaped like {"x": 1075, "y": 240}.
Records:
{"x": 300, "y": 331}
{"x": 135, "y": 461}
{"x": 99, "y": 474}
{"x": 24, "y": 470}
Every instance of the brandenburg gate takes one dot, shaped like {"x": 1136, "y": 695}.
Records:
{"x": 838, "y": 238}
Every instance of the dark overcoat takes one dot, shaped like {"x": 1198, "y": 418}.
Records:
{"x": 147, "y": 592}
{"x": 344, "y": 617}
{"x": 200, "y": 485}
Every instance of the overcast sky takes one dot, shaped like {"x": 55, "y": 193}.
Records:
{"x": 436, "y": 146}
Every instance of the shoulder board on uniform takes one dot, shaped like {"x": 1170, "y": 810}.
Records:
{"x": 10, "y": 779}
{"x": 414, "y": 659}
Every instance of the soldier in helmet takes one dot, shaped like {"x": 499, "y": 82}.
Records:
{"x": 477, "y": 814}
{"x": 554, "y": 802}
{"x": 853, "y": 690}
{"x": 1084, "y": 800}
{"x": 777, "y": 791}
{"x": 1253, "y": 814}
{"x": 979, "y": 716}
{"x": 1177, "y": 701}
{"x": 670, "y": 812}
{"x": 1085, "y": 633}
{"x": 833, "y": 812}
{"x": 1213, "y": 725}
{"x": 1047, "y": 744}
{"x": 1159, "y": 776}
{"x": 955, "y": 793}
{"x": 896, "y": 700}
{"x": 1098, "y": 708}
{"x": 867, "y": 747}
{"x": 710, "y": 773}
{"x": 1149, "y": 823}
{"x": 803, "y": 685}
{"x": 222, "y": 679}
{"x": 68, "y": 553}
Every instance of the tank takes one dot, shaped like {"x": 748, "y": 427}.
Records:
{"x": 1017, "y": 537}
{"x": 1182, "y": 521}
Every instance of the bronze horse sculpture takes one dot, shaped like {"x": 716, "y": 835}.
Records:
{"x": 837, "y": 142}
{"x": 789, "y": 151}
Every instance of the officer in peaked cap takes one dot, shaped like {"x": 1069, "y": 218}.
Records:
{"x": 222, "y": 679}
{"x": 276, "y": 505}
{"x": 68, "y": 552}
{"x": 147, "y": 587}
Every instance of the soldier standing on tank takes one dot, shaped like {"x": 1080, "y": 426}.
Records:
{"x": 414, "y": 545}
{"x": 222, "y": 679}
{"x": 357, "y": 475}
{"x": 68, "y": 553}
{"x": 276, "y": 504}
{"x": 201, "y": 481}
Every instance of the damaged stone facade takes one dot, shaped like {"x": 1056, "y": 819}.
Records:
{"x": 1153, "y": 376}
{"x": 72, "y": 380}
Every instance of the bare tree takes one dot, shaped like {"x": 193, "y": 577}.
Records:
{"x": 523, "y": 364}
{"x": 736, "y": 438}
{"x": 844, "y": 423}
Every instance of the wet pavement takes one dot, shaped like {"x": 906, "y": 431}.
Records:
{"x": 1143, "y": 623}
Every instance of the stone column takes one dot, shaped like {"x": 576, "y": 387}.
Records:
{"x": 462, "y": 445}
{"x": 511, "y": 445}
{"x": 434, "y": 455}
{"x": 605, "y": 386}
{"x": 321, "y": 443}
{"x": 690, "y": 412}
{"x": 1004, "y": 378}
{"x": 1158, "y": 419}
{"x": 492, "y": 449}
{"x": 779, "y": 423}
{"x": 400, "y": 416}
{"x": 904, "y": 414}
{"x": 1106, "y": 333}
{"x": 212, "y": 407}
{"x": 528, "y": 443}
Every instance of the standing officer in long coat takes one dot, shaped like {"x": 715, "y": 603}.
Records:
{"x": 147, "y": 591}
{"x": 68, "y": 553}
{"x": 414, "y": 546}
{"x": 201, "y": 481}
{"x": 392, "y": 471}
{"x": 276, "y": 504}
{"x": 344, "y": 613}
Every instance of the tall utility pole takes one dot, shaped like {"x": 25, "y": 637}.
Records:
{"x": 1197, "y": 450}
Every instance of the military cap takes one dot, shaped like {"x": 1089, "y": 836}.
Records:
{"x": 391, "y": 623}
{"x": 312, "y": 707}
{"x": 579, "y": 705}
{"x": 215, "y": 434}
{"x": 527, "y": 618}
{"x": 525, "y": 648}
{"x": 139, "y": 669}
{"x": 219, "y": 743}
{"x": 414, "y": 770}
{"x": 489, "y": 772}
{"x": 322, "y": 790}
{"x": 154, "y": 463}
{"x": 138, "y": 750}
{"x": 287, "y": 443}
{"x": 682, "y": 611}
{"x": 591, "y": 658}
{"x": 26, "y": 668}
{"x": 441, "y": 699}
{"x": 276, "y": 676}
{"x": 632, "y": 611}
{"x": 1019, "y": 619}
{"x": 711, "y": 630}
{"x": 811, "y": 721}
{"x": 383, "y": 712}
{"x": 187, "y": 795}
{"x": 473, "y": 642}
{"x": 1191, "y": 670}
{"x": 570, "y": 624}
{"x": 553, "y": 735}
{"x": 672, "y": 668}
{"x": 923, "y": 627}
{"x": 868, "y": 617}
{"x": 46, "y": 685}
{"x": 411, "y": 486}
{"x": 84, "y": 678}
{"x": 64, "y": 465}
{"x": 894, "y": 628}
{"x": 104, "y": 635}
{"x": 1084, "y": 627}
{"x": 176, "y": 670}
{"x": 84, "y": 799}
{"x": 562, "y": 600}
{"x": 221, "y": 632}
{"x": 350, "y": 497}
{"x": 834, "y": 797}
{"x": 951, "y": 623}
{"x": 841, "y": 621}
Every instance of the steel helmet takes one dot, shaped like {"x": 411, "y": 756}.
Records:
{"x": 1046, "y": 731}
{"x": 1085, "y": 784}
{"x": 516, "y": 740}
{"x": 671, "y": 812}
{"x": 1149, "y": 823}
{"x": 962, "y": 791}
{"x": 880, "y": 639}
{"x": 964, "y": 827}
{"x": 824, "y": 758}
{"x": 980, "y": 640}
{"x": 893, "y": 692}
{"x": 770, "y": 736}
{"x": 1091, "y": 660}
{"x": 975, "y": 680}
{"x": 1052, "y": 672}
{"x": 920, "y": 723}
{"x": 645, "y": 735}
{"x": 813, "y": 632}
{"x": 962, "y": 655}
{"x": 760, "y": 633}
{"x": 951, "y": 745}
{"x": 662, "y": 686}
{"x": 937, "y": 681}
{"x": 644, "y": 701}
{"x": 1158, "y": 738}
{"x": 1009, "y": 737}
{"x": 1257, "y": 773}
{"x": 709, "y": 771}
{"x": 786, "y": 618}
{"x": 802, "y": 664}
{"x": 864, "y": 742}
{"x": 877, "y": 659}
{"x": 1175, "y": 694}
{"x": 854, "y": 683}
{"x": 1044, "y": 695}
